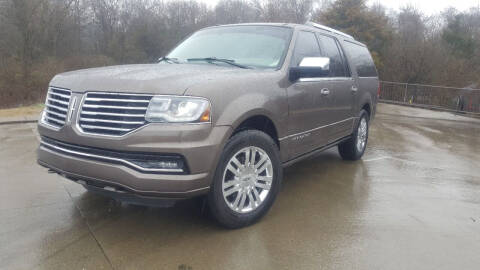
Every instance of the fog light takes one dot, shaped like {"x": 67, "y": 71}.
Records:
{"x": 167, "y": 164}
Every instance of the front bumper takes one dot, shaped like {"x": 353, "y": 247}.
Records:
{"x": 198, "y": 145}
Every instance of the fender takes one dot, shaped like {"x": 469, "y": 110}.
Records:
{"x": 255, "y": 104}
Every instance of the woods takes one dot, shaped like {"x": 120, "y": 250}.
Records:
{"x": 40, "y": 38}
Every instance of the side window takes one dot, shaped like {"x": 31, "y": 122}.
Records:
{"x": 306, "y": 46}
{"x": 362, "y": 60}
{"x": 330, "y": 49}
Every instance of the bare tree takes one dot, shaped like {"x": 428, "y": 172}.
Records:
{"x": 235, "y": 11}
{"x": 43, "y": 37}
{"x": 292, "y": 11}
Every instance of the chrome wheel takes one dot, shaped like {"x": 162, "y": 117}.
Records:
{"x": 362, "y": 134}
{"x": 247, "y": 179}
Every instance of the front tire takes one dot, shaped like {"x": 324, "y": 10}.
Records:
{"x": 247, "y": 179}
{"x": 353, "y": 148}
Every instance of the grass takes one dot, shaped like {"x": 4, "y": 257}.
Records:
{"x": 33, "y": 110}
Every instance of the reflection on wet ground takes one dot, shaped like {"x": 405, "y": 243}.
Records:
{"x": 413, "y": 202}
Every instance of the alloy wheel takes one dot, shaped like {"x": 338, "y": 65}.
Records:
{"x": 247, "y": 179}
{"x": 362, "y": 135}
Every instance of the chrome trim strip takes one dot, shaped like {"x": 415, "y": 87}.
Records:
{"x": 325, "y": 79}
{"x": 50, "y": 126}
{"x": 113, "y": 121}
{"x": 315, "y": 129}
{"x": 56, "y": 107}
{"x": 60, "y": 95}
{"x": 55, "y": 120}
{"x": 313, "y": 152}
{"x": 61, "y": 89}
{"x": 117, "y": 100}
{"x": 55, "y": 113}
{"x": 58, "y": 100}
{"x": 72, "y": 109}
{"x": 105, "y": 128}
{"x": 109, "y": 158}
{"x": 118, "y": 94}
{"x": 112, "y": 107}
{"x": 113, "y": 114}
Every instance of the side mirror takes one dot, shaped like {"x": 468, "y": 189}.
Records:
{"x": 310, "y": 67}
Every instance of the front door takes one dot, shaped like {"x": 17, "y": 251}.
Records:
{"x": 311, "y": 103}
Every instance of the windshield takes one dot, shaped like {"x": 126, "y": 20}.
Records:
{"x": 251, "y": 46}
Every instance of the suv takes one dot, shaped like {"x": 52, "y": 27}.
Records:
{"x": 220, "y": 115}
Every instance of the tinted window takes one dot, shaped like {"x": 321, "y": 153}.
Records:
{"x": 330, "y": 49}
{"x": 306, "y": 46}
{"x": 361, "y": 59}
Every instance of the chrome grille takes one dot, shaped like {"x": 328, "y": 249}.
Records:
{"x": 113, "y": 113}
{"x": 56, "y": 107}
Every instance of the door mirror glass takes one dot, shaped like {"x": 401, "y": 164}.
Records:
{"x": 310, "y": 67}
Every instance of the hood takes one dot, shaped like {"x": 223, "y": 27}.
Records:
{"x": 173, "y": 79}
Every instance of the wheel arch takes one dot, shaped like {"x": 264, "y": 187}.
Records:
{"x": 365, "y": 102}
{"x": 257, "y": 121}
{"x": 368, "y": 108}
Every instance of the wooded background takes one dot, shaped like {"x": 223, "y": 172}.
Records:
{"x": 40, "y": 38}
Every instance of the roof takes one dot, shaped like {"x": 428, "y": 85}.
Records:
{"x": 294, "y": 25}
{"x": 328, "y": 29}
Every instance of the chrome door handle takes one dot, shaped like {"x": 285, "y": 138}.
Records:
{"x": 354, "y": 88}
{"x": 325, "y": 92}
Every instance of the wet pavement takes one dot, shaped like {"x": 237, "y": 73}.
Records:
{"x": 413, "y": 202}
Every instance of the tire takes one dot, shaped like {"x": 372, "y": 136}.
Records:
{"x": 225, "y": 205}
{"x": 350, "y": 149}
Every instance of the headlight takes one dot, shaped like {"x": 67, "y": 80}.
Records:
{"x": 171, "y": 109}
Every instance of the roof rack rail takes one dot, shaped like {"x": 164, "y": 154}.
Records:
{"x": 326, "y": 28}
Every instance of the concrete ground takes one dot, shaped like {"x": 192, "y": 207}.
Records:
{"x": 21, "y": 114}
{"x": 413, "y": 202}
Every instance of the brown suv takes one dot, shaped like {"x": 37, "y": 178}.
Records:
{"x": 221, "y": 115}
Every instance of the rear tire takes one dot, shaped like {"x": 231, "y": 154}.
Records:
{"x": 247, "y": 179}
{"x": 353, "y": 148}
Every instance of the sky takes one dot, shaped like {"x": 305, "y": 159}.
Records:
{"x": 429, "y": 7}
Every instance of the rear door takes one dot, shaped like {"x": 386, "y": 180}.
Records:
{"x": 342, "y": 88}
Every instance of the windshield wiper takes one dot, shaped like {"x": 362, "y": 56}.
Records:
{"x": 168, "y": 60}
{"x": 222, "y": 60}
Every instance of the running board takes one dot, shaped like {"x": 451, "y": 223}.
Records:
{"x": 314, "y": 152}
